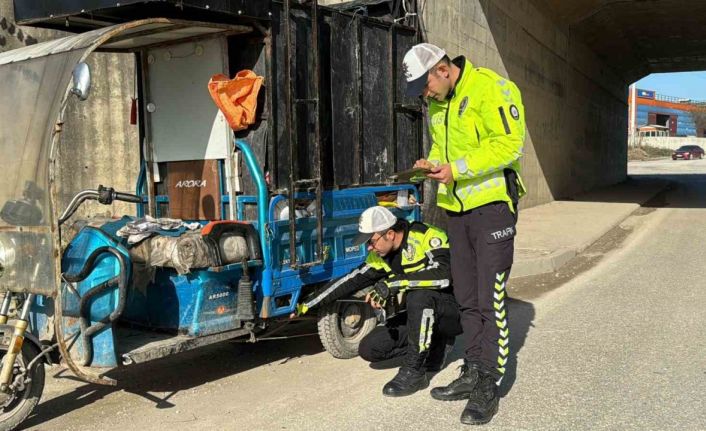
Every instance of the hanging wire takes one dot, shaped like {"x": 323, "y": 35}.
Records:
{"x": 363, "y": 12}
{"x": 407, "y": 13}
{"x": 420, "y": 20}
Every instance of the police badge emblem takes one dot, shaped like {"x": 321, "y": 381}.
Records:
{"x": 408, "y": 253}
{"x": 462, "y": 106}
{"x": 514, "y": 112}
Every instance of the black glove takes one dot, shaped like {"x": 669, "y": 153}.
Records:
{"x": 381, "y": 293}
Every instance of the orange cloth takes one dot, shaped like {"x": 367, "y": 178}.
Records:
{"x": 237, "y": 97}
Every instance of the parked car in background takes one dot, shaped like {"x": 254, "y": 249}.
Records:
{"x": 687, "y": 152}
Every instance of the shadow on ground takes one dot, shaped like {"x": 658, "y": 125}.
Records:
{"x": 178, "y": 373}
{"x": 520, "y": 319}
{"x": 684, "y": 190}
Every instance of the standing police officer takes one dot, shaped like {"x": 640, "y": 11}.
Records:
{"x": 403, "y": 257}
{"x": 477, "y": 129}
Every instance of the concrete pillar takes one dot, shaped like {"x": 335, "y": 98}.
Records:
{"x": 575, "y": 105}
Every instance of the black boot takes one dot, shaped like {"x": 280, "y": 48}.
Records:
{"x": 406, "y": 382}
{"x": 438, "y": 352}
{"x": 460, "y": 388}
{"x": 482, "y": 402}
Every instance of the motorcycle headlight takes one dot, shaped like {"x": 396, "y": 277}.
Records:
{"x": 7, "y": 252}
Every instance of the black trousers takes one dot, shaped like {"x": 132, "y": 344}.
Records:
{"x": 482, "y": 246}
{"x": 430, "y": 319}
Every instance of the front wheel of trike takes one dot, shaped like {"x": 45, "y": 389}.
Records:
{"x": 342, "y": 325}
{"x": 28, "y": 386}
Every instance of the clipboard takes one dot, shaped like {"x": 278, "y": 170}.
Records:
{"x": 418, "y": 174}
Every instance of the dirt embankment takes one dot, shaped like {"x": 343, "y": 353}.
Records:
{"x": 647, "y": 153}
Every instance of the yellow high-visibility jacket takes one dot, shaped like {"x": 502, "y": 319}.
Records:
{"x": 422, "y": 262}
{"x": 480, "y": 131}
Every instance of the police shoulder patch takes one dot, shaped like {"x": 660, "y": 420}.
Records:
{"x": 462, "y": 106}
{"x": 435, "y": 242}
{"x": 514, "y": 112}
{"x": 408, "y": 253}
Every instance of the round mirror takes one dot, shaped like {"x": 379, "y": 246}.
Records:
{"x": 81, "y": 81}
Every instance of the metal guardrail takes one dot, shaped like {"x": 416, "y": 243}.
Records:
{"x": 684, "y": 100}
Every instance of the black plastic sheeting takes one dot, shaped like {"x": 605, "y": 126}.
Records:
{"x": 53, "y": 13}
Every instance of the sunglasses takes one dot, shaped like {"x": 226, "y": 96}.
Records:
{"x": 372, "y": 242}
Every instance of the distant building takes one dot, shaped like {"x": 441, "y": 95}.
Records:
{"x": 652, "y": 130}
{"x": 673, "y": 115}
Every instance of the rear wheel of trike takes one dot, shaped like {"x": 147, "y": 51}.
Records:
{"x": 342, "y": 325}
{"x": 29, "y": 384}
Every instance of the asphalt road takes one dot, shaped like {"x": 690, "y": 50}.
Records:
{"x": 619, "y": 347}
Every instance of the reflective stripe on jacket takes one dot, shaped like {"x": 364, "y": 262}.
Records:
{"x": 424, "y": 263}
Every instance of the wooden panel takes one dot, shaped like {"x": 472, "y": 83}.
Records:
{"x": 345, "y": 100}
{"x": 378, "y": 160}
{"x": 304, "y": 113}
{"x": 193, "y": 188}
{"x": 279, "y": 173}
{"x": 408, "y": 122}
{"x": 301, "y": 61}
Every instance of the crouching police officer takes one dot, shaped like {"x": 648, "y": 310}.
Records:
{"x": 404, "y": 257}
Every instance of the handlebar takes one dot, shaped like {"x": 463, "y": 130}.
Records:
{"x": 126, "y": 197}
{"x": 104, "y": 195}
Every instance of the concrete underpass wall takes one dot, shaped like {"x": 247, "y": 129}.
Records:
{"x": 98, "y": 145}
{"x": 575, "y": 105}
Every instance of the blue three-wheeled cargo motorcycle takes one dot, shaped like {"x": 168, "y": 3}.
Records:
{"x": 227, "y": 233}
